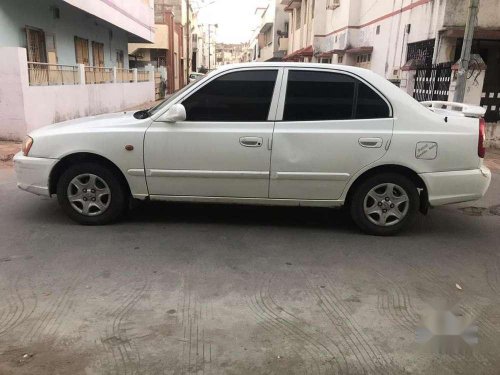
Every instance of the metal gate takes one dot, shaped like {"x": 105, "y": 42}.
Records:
{"x": 433, "y": 82}
{"x": 490, "y": 100}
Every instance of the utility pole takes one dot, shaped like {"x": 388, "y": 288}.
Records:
{"x": 209, "y": 46}
{"x": 188, "y": 37}
{"x": 466, "y": 49}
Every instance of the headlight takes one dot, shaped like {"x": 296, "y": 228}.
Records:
{"x": 28, "y": 142}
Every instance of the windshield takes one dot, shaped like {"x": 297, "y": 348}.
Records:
{"x": 168, "y": 100}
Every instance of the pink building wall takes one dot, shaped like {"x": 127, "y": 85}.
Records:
{"x": 24, "y": 108}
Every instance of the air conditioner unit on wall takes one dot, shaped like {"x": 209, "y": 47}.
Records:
{"x": 333, "y": 4}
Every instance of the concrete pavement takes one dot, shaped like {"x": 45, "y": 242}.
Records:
{"x": 181, "y": 289}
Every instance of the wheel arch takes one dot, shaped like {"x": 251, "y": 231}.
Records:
{"x": 83, "y": 157}
{"x": 392, "y": 168}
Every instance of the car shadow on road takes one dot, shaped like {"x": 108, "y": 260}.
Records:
{"x": 201, "y": 213}
{"x": 439, "y": 222}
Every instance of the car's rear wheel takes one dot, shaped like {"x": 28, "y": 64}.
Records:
{"x": 91, "y": 194}
{"x": 384, "y": 204}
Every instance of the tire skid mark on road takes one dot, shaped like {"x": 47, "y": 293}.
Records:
{"x": 293, "y": 318}
{"x": 323, "y": 359}
{"x": 457, "y": 362}
{"x": 278, "y": 327}
{"x": 271, "y": 328}
{"x": 196, "y": 354}
{"x": 373, "y": 348}
{"x": 385, "y": 307}
{"x": 54, "y": 312}
{"x": 397, "y": 306}
{"x": 117, "y": 343}
{"x": 493, "y": 275}
{"x": 18, "y": 311}
{"x": 355, "y": 342}
{"x": 11, "y": 311}
{"x": 467, "y": 307}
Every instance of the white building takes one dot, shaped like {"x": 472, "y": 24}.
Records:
{"x": 62, "y": 59}
{"x": 270, "y": 40}
{"x": 415, "y": 44}
{"x": 230, "y": 53}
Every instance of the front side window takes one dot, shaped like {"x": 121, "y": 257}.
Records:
{"x": 240, "y": 96}
{"x": 320, "y": 96}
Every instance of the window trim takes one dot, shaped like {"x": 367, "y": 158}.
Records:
{"x": 197, "y": 85}
{"x": 284, "y": 87}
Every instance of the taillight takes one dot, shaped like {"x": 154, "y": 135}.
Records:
{"x": 481, "y": 150}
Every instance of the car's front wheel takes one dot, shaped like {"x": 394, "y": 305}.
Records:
{"x": 91, "y": 194}
{"x": 384, "y": 204}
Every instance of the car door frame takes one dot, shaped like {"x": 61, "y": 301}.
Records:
{"x": 214, "y": 174}
{"x": 273, "y": 109}
{"x": 284, "y": 85}
{"x": 345, "y": 178}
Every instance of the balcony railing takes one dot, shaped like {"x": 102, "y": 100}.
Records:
{"x": 124, "y": 75}
{"x": 143, "y": 76}
{"x": 98, "y": 75}
{"x": 41, "y": 74}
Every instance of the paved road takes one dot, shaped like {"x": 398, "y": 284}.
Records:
{"x": 180, "y": 289}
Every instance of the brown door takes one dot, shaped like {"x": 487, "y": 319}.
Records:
{"x": 82, "y": 51}
{"x": 37, "y": 51}
{"x": 98, "y": 54}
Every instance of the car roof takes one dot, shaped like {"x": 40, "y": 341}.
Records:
{"x": 346, "y": 68}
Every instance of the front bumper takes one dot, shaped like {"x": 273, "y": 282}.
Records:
{"x": 33, "y": 173}
{"x": 456, "y": 186}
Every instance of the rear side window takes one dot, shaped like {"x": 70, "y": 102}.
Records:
{"x": 317, "y": 96}
{"x": 370, "y": 104}
{"x": 314, "y": 96}
{"x": 240, "y": 96}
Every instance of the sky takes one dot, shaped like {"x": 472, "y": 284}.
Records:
{"x": 236, "y": 18}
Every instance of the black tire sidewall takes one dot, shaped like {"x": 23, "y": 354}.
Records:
{"x": 118, "y": 198}
{"x": 357, "y": 203}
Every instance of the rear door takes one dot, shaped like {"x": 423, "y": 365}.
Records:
{"x": 330, "y": 125}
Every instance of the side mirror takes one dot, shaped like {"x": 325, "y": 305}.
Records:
{"x": 176, "y": 113}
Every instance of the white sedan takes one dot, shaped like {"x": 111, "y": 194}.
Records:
{"x": 271, "y": 133}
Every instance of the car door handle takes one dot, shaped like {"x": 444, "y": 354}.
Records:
{"x": 371, "y": 142}
{"x": 251, "y": 141}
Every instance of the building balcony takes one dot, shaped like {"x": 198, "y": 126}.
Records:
{"x": 41, "y": 74}
{"x": 455, "y": 14}
{"x": 42, "y": 94}
{"x": 134, "y": 16}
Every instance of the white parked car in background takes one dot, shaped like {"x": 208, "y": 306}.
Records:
{"x": 270, "y": 133}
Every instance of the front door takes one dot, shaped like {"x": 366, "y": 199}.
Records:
{"x": 223, "y": 147}
{"x": 333, "y": 125}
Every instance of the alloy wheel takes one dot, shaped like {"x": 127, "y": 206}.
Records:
{"x": 386, "y": 204}
{"x": 89, "y": 194}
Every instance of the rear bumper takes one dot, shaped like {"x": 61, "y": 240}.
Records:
{"x": 33, "y": 173}
{"x": 456, "y": 186}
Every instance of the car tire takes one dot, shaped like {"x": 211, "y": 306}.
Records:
{"x": 384, "y": 204}
{"x": 91, "y": 194}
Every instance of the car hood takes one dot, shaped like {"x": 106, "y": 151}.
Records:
{"x": 104, "y": 122}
